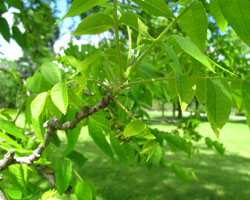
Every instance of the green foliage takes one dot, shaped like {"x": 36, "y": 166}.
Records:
{"x": 246, "y": 98}
{"x": 218, "y": 103}
{"x": 134, "y": 128}
{"x": 59, "y": 96}
{"x": 63, "y": 174}
{"x": 236, "y": 13}
{"x": 11, "y": 128}
{"x": 190, "y": 48}
{"x": 94, "y": 24}
{"x": 194, "y": 23}
{"x": 110, "y": 89}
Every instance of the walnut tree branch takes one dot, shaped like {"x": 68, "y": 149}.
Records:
{"x": 2, "y": 196}
{"x": 5, "y": 69}
{"x": 53, "y": 125}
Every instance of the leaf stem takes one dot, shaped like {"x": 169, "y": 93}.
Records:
{"x": 124, "y": 108}
{"x": 111, "y": 72}
{"x": 99, "y": 82}
{"x": 149, "y": 49}
{"x": 116, "y": 26}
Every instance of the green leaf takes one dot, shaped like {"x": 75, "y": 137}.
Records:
{"x": 97, "y": 135}
{"x": 72, "y": 138}
{"x": 186, "y": 90}
{"x": 10, "y": 140}
{"x": 190, "y": 48}
{"x": 79, "y": 6}
{"x": 19, "y": 172}
{"x": 63, "y": 174}
{"x": 200, "y": 90}
{"x": 59, "y": 96}
{"x": 236, "y": 88}
{"x": 130, "y": 19}
{"x": 88, "y": 61}
{"x": 49, "y": 195}
{"x": 218, "y": 103}
{"x": 52, "y": 109}
{"x": 51, "y": 73}
{"x": 236, "y": 12}
{"x": 77, "y": 158}
{"x": 19, "y": 37}
{"x": 209, "y": 142}
{"x": 156, "y": 7}
{"x": 182, "y": 174}
{"x": 217, "y": 15}
{"x": 176, "y": 66}
{"x": 148, "y": 148}
{"x": 11, "y": 128}
{"x": 33, "y": 84}
{"x": 120, "y": 150}
{"x": 134, "y": 128}
{"x": 147, "y": 134}
{"x": 219, "y": 148}
{"x": 37, "y": 105}
{"x": 14, "y": 191}
{"x": 5, "y": 30}
{"x": 246, "y": 99}
{"x": 38, "y": 129}
{"x": 94, "y": 24}
{"x": 83, "y": 191}
{"x": 194, "y": 23}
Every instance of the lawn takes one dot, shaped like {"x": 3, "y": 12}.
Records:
{"x": 219, "y": 179}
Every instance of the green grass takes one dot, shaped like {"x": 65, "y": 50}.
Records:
{"x": 219, "y": 179}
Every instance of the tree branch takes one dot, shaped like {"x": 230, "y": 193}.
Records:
{"x": 5, "y": 69}
{"x": 2, "y": 196}
{"x": 53, "y": 125}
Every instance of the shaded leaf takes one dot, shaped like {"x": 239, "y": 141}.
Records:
{"x": 218, "y": 103}
{"x": 119, "y": 149}
{"x": 200, "y": 90}
{"x": 246, "y": 99}
{"x": 83, "y": 191}
{"x": 236, "y": 88}
{"x": 130, "y": 19}
{"x": 5, "y": 30}
{"x": 63, "y": 174}
{"x": 94, "y": 24}
{"x": 97, "y": 135}
{"x": 186, "y": 90}
{"x": 176, "y": 64}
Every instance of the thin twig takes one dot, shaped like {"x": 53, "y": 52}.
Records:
{"x": 99, "y": 82}
{"x": 124, "y": 108}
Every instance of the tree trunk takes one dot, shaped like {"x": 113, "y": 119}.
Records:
{"x": 163, "y": 109}
{"x": 179, "y": 111}
{"x": 173, "y": 116}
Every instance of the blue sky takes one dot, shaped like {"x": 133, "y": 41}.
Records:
{"x": 12, "y": 51}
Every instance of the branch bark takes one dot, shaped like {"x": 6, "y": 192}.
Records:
{"x": 53, "y": 125}
{"x": 2, "y": 196}
{"x": 5, "y": 69}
